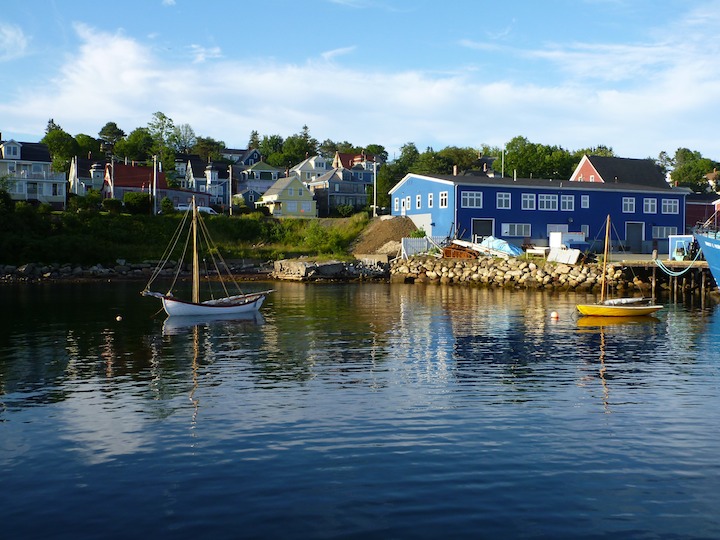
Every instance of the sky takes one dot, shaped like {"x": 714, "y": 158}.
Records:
{"x": 639, "y": 76}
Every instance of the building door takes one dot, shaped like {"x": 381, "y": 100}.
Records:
{"x": 481, "y": 228}
{"x": 634, "y": 235}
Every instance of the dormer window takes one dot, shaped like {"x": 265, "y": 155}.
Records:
{"x": 12, "y": 151}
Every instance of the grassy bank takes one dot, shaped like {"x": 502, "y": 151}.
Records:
{"x": 99, "y": 237}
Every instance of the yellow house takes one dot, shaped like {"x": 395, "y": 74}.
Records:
{"x": 288, "y": 197}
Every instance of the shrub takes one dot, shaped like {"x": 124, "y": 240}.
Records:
{"x": 113, "y": 206}
{"x": 137, "y": 202}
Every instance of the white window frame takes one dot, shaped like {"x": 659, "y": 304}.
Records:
{"x": 670, "y": 206}
{"x": 528, "y": 201}
{"x": 567, "y": 203}
{"x": 660, "y": 232}
{"x": 584, "y": 201}
{"x": 519, "y": 230}
{"x": 418, "y": 201}
{"x": 430, "y": 200}
{"x": 649, "y": 205}
{"x": 628, "y": 205}
{"x": 547, "y": 202}
{"x": 471, "y": 199}
{"x": 407, "y": 203}
{"x": 443, "y": 199}
{"x": 503, "y": 201}
{"x": 396, "y": 204}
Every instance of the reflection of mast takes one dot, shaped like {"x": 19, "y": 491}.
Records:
{"x": 196, "y": 351}
{"x": 603, "y": 368}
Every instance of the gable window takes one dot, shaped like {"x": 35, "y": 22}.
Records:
{"x": 584, "y": 201}
{"x": 11, "y": 151}
{"x": 418, "y": 201}
{"x": 528, "y": 201}
{"x": 291, "y": 192}
{"x": 592, "y": 177}
{"x": 650, "y": 206}
{"x": 471, "y": 199}
{"x": 502, "y": 201}
{"x": 443, "y": 199}
{"x": 670, "y": 206}
{"x": 567, "y": 203}
{"x": 628, "y": 205}
{"x": 430, "y": 200}
{"x": 547, "y": 202}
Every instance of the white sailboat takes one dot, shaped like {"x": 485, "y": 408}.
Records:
{"x": 231, "y": 302}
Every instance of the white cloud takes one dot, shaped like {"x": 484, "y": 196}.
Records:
{"x": 168, "y": 2}
{"x": 330, "y": 55}
{"x": 13, "y": 43}
{"x": 638, "y": 98}
{"x": 201, "y": 54}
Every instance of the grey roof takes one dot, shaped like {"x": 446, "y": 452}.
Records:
{"x": 32, "y": 151}
{"x": 628, "y": 171}
{"x": 280, "y": 185}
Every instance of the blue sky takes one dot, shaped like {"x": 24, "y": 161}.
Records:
{"x": 640, "y": 76}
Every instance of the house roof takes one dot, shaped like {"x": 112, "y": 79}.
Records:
{"x": 280, "y": 185}
{"x": 138, "y": 176}
{"x": 628, "y": 171}
{"x": 31, "y": 151}
{"x": 343, "y": 175}
{"x": 263, "y": 166}
{"x": 540, "y": 183}
{"x": 348, "y": 161}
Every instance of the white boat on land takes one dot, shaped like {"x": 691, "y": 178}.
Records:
{"x": 197, "y": 239}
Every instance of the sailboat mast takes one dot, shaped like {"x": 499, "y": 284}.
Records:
{"x": 606, "y": 252}
{"x": 196, "y": 263}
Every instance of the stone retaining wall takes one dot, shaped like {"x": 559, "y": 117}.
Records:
{"x": 518, "y": 273}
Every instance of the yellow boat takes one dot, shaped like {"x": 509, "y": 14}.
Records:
{"x": 618, "y": 307}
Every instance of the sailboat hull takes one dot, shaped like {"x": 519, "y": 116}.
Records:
{"x": 179, "y": 308}
{"x": 604, "y": 310}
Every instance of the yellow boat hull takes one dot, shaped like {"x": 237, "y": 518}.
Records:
{"x": 602, "y": 310}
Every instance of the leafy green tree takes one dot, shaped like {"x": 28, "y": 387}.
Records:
{"x": 182, "y": 138}
{"x": 160, "y": 127}
{"x": 51, "y": 126}
{"x": 269, "y": 145}
{"x": 431, "y": 162}
{"x": 691, "y": 174}
{"x": 463, "y": 158}
{"x": 137, "y": 202}
{"x": 327, "y": 148}
{"x": 254, "y": 141}
{"x": 62, "y": 146}
{"x": 378, "y": 151}
{"x": 208, "y": 148}
{"x": 408, "y": 156}
{"x": 87, "y": 146}
{"x": 137, "y": 146}
{"x": 111, "y": 134}
{"x": 112, "y": 206}
{"x": 167, "y": 206}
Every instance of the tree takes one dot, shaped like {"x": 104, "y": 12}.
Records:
{"x": 160, "y": 127}
{"x": 254, "y": 141}
{"x": 327, "y": 148}
{"x": 271, "y": 144}
{"x": 378, "y": 151}
{"x": 463, "y": 158}
{"x": 52, "y": 126}
{"x": 691, "y": 174}
{"x": 111, "y": 133}
{"x": 408, "y": 156}
{"x": 182, "y": 138}
{"x": 137, "y": 146}
{"x": 62, "y": 146}
{"x": 88, "y": 147}
{"x": 431, "y": 162}
{"x": 208, "y": 148}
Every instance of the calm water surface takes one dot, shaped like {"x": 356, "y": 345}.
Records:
{"x": 355, "y": 411}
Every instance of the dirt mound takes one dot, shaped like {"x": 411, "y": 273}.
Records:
{"x": 383, "y": 232}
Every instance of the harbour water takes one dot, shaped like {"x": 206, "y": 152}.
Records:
{"x": 355, "y": 411}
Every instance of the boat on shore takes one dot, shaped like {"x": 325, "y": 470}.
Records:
{"x": 192, "y": 237}
{"x": 708, "y": 239}
{"x": 616, "y": 307}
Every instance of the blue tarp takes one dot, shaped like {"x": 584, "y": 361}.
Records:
{"x": 501, "y": 245}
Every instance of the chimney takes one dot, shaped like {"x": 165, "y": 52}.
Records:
{"x": 454, "y": 170}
